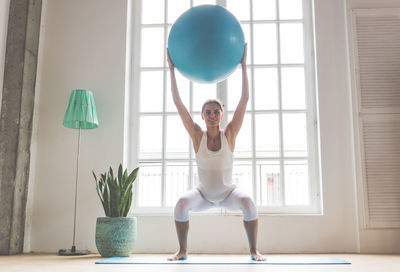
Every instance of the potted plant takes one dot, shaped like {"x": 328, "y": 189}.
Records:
{"x": 116, "y": 233}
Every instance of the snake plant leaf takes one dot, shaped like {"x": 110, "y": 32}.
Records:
{"x": 103, "y": 176}
{"x": 127, "y": 205}
{"x": 104, "y": 201}
{"x": 98, "y": 189}
{"x": 120, "y": 174}
{"x": 105, "y": 193}
{"x": 133, "y": 175}
{"x": 102, "y": 194}
{"x": 125, "y": 179}
{"x": 112, "y": 176}
{"x": 108, "y": 203}
{"x": 113, "y": 195}
{"x": 111, "y": 186}
{"x": 103, "y": 189}
{"x": 99, "y": 184}
{"x": 126, "y": 194}
{"x": 102, "y": 181}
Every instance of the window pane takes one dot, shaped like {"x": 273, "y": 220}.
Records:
{"x": 176, "y": 8}
{"x": 151, "y": 91}
{"x": 202, "y": 92}
{"x": 241, "y": 9}
{"x": 246, "y": 31}
{"x": 234, "y": 89}
{"x": 266, "y": 89}
{"x": 149, "y": 185}
{"x": 183, "y": 88}
{"x": 243, "y": 144}
{"x": 242, "y": 176}
{"x": 290, "y": 9}
{"x": 177, "y": 138}
{"x": 292, "y": 50}
{"x": 295, "y": 135}
{"x": 264, "y": 10}
{"x": 177, "y": 181}
{"x": 267, "y": 135}
{"x": 203, "y": 2}
{"x": 296, "y": 183}
{"x": 269, "y": 183}
{"x": 152, "y": 54}
{"x": 152, "y": 15}
{"x": 293, "y": 88}
{"x": 150, "y": 137}
{"x": 166, "y": 62}
{"x": 265, "y": 44}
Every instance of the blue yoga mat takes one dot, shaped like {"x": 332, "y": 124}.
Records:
{"x": 227, "y": 260}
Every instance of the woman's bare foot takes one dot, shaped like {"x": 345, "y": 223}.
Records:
{"x": 256, "y": 256}
{"x": 178, "y": 256}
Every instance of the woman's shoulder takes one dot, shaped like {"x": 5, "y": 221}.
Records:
{"x": 199, "y": 131}
{"x": 196, "y": 138}
{"x": 229, "y": 138}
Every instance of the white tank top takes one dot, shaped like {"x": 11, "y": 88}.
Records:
{"x": 215, "y": 170}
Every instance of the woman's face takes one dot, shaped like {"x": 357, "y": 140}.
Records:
{"x": 212, "y": 115}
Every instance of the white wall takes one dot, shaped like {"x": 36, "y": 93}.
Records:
{"x": 84, "y": 47}
{"x": 4, "y": 9}
{"x": 371, "y": 240}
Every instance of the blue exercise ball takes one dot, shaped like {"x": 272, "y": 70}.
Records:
{"x": 206, "y": 43}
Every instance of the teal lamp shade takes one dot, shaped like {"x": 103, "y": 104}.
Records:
{"x": 81, "y": 111}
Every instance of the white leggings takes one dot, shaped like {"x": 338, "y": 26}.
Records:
{"x": 195, "y": 201}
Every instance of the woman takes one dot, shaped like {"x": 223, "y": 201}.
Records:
{"x": 214, "y": 155}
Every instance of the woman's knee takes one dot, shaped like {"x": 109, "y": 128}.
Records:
{"x": 248, "y": 208}
{"x": 182, "y": 208}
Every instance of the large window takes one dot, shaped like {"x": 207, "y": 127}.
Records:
{"x": 276, "y": 149}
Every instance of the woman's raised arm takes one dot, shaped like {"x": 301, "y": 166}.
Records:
{"x": 232, "y": 129}
{"x": 192, "y": 128}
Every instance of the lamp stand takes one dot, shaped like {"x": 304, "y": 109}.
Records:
{"x": 73, "y": 251}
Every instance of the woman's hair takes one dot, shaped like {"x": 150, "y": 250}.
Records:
{"x": 213, "y": 101}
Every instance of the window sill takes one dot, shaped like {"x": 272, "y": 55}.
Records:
{"x": 293, "y": 211}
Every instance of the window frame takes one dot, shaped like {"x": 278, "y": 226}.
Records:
{"x": 132, "y": 114}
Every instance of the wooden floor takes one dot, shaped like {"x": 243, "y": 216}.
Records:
{"x": 52, "y": 262}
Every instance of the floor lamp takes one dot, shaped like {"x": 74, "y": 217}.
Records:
{"x": 80, "y": 114}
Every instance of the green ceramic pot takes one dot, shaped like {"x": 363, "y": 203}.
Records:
{"x": 116, "y": 236}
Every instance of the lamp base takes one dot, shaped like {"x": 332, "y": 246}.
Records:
{"x": 72, "y": 252}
